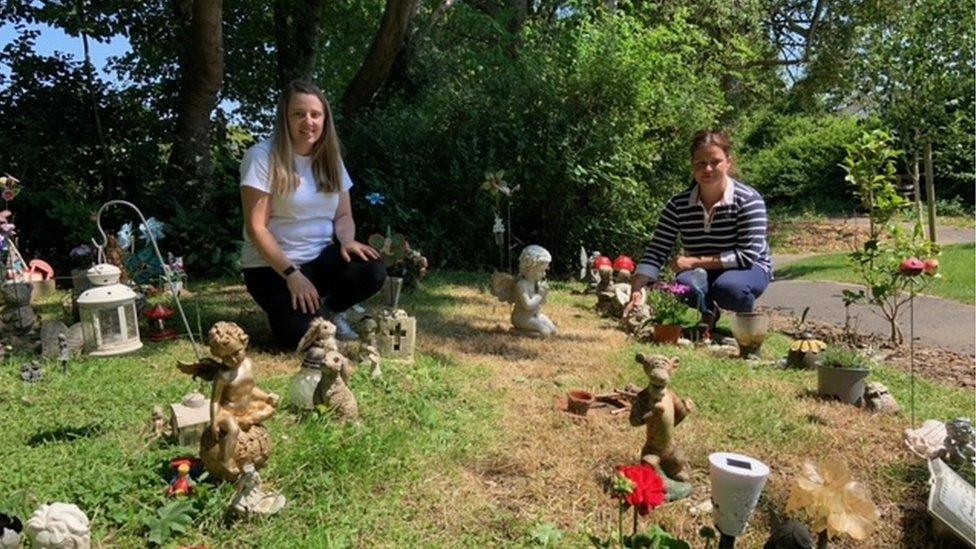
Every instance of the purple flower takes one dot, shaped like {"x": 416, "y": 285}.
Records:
{"x": 678, "y": 289}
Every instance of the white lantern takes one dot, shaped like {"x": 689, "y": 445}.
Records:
{"x": 108, "y": 313}
{"x": 737, "y": 482}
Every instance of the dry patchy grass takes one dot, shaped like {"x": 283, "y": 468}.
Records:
{"x": 545, "y": 466}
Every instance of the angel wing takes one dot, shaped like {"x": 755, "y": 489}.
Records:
{"x": 584, "y": 263}
{"x": 503, "y": 287}
{"x": 207, "y": 369}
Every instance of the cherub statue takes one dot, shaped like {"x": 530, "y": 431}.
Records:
{"x": 237, "y": 405}
{"x": 527, "y": 292}
{"x": 319, "y": 344}
{"x": 59, "y": 525}
{"x": 659, "y": 408}
{"x": 250, "y": 499}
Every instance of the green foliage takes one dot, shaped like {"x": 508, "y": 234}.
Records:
{"x": 170, "y": 520}
{"x": 870, "y": 167}
{"x": 547, "y": 534}
{"x": 839, "y": 357}
{"x": 794, "y": 159}
{"x": 591, "y": 120}
{"x": 668, "y": 310}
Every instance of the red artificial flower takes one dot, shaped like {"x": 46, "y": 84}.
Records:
{"x": 649, "y": 489}
{"x": 931, "y": 266}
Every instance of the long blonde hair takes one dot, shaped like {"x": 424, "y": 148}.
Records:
{"x": 326, "y": 164}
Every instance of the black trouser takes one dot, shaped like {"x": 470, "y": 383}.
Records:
{"x": 342, "y": 285}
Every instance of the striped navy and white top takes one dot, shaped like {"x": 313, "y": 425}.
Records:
{"x": 735, "y": 230}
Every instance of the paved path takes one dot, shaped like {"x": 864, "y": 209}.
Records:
{"x": 938, "y": 322}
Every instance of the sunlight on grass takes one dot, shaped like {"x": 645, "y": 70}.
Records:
{"x": 957, "y": 267}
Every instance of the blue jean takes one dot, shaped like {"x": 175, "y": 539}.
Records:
{"x": 731, "y": 289}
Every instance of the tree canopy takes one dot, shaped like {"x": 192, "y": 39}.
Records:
{"x": 588, "y": 106}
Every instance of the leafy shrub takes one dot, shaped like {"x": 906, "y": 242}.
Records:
{"x": 591, "y": 119}
{"x": 794, "y": 160}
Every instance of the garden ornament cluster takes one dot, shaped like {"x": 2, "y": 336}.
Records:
{"x": 59, "y": 526}
{"x": 960, "y": 447}
{"x": 527, "y": 292}
{"x": 319, "y": 347}
{"x": 660, "y": 409}
{"x": 236, "y": 436}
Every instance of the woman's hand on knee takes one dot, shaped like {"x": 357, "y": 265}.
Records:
{"x": 304, "y": 296}
{"x": 363, "y": 251}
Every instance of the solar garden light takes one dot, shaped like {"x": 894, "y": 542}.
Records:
{"x": 737, "y": 481}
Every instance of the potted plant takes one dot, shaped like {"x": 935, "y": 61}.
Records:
{"x": 669, "y": 314}
{"x": 842, "y": 374}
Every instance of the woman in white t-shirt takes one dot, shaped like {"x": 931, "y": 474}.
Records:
{"x": 300, "y": 255}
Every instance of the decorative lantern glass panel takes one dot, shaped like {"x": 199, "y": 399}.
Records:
{"x": 108, "y": 314}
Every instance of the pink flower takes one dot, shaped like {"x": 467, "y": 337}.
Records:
{"x": 8, "y": 195}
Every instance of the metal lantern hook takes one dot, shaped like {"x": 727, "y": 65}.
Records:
{"x": 166, "y": 270}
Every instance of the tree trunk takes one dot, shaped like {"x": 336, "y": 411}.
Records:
{"x": 203, "y": 73}
{"x": 297, "y": 28}
{"x": 930, "y": 189}
{"x": 389, "y": 40}
{"x": 916, "y": 186}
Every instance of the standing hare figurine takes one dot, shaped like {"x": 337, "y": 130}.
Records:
{"x": 660, "y": 409}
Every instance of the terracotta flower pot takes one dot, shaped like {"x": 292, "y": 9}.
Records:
{"x": 667, "y": 333}
{"x": 578, "y": 402}
{"x": 847, "y": 384}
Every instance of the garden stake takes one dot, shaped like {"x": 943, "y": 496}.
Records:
{"x": 911, "y": 350}
{"x": 166, "y": 269}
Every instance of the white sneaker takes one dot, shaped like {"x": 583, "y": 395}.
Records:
{"x": 344, "y": 331}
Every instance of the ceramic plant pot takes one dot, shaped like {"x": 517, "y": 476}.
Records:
{"x": 667, "y": 333}
{"x": 749, "y": 331}
{"x": 578, "y": 402}
{"x": 846, "y": 384}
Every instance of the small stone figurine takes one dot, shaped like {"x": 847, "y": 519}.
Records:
{"x": 64, "y": 353}
{"x": 660, "y": 409}
{"x": 960, "y": 447}
{"x": 527, "y": 292}
{"x": 237, "y": 406}
{"x": 158, "y": 426}
{"x": 250, "y": 499}
{"x": 319, "y": 345}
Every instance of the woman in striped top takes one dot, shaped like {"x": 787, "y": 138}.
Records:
{"x": 721, "y": 223}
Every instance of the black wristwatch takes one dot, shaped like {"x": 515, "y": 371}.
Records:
{"x": 287, "y": 272}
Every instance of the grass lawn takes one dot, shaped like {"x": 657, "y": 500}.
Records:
{"x": 469, "y": 446}
{"x": 957, "y": 265}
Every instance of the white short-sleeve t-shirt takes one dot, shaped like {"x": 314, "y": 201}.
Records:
{"x": 301, "y": 222}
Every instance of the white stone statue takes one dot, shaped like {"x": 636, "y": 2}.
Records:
{"x": 59, "y": 526}
{"x": 250, "y": 499}
{"x": 527, "y": 292}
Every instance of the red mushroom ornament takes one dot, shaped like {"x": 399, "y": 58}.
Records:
{"x": 157, "y": 323}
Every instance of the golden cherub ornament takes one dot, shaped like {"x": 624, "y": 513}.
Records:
{"x": 237, "y": 406}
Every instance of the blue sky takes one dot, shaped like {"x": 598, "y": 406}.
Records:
{"x": 53, "y": 39}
